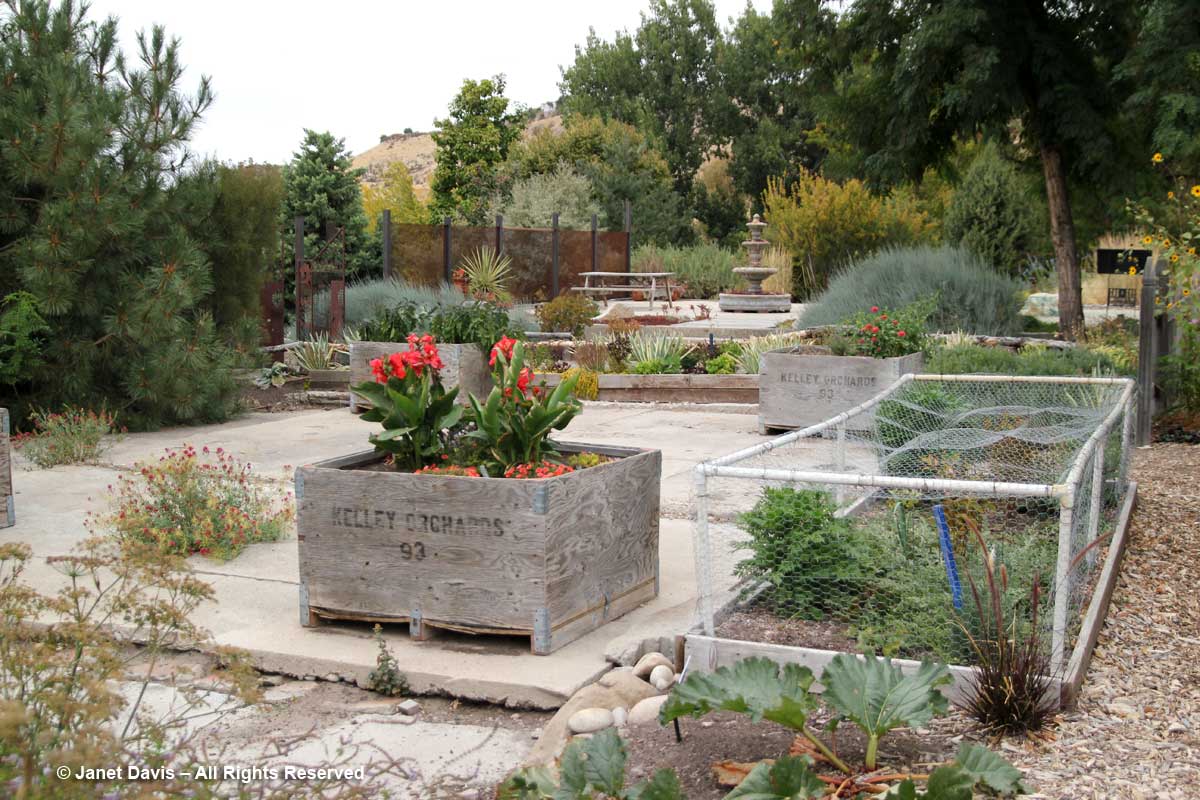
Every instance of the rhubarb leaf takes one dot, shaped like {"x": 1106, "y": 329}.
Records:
{"x": 877, "y": 696}
{"x": 990, "y": 769}
{"x": 757, "y": 687}
{"x": 789, "y": 778}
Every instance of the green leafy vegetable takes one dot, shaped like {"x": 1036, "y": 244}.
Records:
{"x": 789, "y": 778}
{"x": 756, "y": 687}
{"x": 989, "y": 769}
{"x": 588, "y": 769}
{"x": 877, "y": 696}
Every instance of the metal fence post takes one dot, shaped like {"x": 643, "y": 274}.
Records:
{"x": 386, "y": 222}
{"x": 702, "y": 555}
{"x": 446, "y": 249}
{"x": 298, "y": 251}
{"x": 1147, "y": 354}
{"x": 1062, "y": 581}
{"x": 595, "y": 240}
{"x": 499, "y": 234}
{"x": 628, "y": 236}
{"x": 554, "y": 255}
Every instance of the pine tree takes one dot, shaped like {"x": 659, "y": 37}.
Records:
{"x": 92, "y": 217}
{"x": 321, "y": 185}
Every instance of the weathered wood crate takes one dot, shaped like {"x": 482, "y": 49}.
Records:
{"x": 551, "y": 559}
{"x": 671, "y": 388}
{"x": 8, "y": 514}
{"x": 465, "y": 367}
{"x": 798, "y": 389}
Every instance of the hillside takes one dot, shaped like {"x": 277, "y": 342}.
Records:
{"x": 418, "y": 153}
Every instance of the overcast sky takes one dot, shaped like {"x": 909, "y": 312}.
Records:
{"x": 360, "y": 68}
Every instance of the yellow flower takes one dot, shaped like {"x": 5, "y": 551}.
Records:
{"x": 1166, "y": 242}
{"x": 1187, "y": 292}
{"x": 1158, "y": 301}
{"x": 1157, "y": 159}
{"x": 1170, "y": 195}
{"x": 1174, "y": 258}
{"x": 1191, "y": 251}
{"x": 1196, "y": 191}
{"x": 1133, "y": 270}
{"x": 1147, "y": 240}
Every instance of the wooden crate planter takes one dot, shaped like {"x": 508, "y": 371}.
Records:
{"x": 8, "y": 514}
{"x": 465, "y": 367}
{"x": 671, "y": 388}
{"x": 798, "y": 389}
{"x": 551, "y": 559}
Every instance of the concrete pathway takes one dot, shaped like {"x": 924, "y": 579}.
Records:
{"x": 257, "y": 592}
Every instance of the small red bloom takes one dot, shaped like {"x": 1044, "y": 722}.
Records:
{"x": 899, "y": 333}
{"x": 505, "y": 346}
{"x": 874, "y": 309}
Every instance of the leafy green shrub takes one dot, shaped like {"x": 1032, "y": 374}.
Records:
{"x": 386, "y": 678}
{"x": 705, "y": 268}
{"x": 1029, "y": 360}
{"x": 72, "y": 436}
{"x": 1030, "y": 324}
{"x": 650, "y": 347}
{"x": 724, "y": 364}
{"x": 827, "y": 224}
{"x": 533, "y": 200}
{"x": 478, "y": 323}
{"x": 666, "y": 365}
{"x": 970, "y": 296}
{"x": 990, "y": 214}
{"x": 567, "y": 313}
{"x": 810, "y": 559}
{"x": 196, "y": 502}
{"x": 587, "y": 460}
{"x": 368, "y": 299}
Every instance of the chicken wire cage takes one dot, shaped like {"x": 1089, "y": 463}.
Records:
{"x": 878, "y": 528}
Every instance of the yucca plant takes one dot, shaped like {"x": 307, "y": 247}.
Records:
{"x": 752, "y": 349}
{"x": 316, "y": 354}
{"x": 648, "y": 347}
{"x": 488, "y": 273}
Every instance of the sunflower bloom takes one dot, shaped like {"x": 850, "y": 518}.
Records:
{"x": 1196, "y": 190}
{"x": 1147, "y": 240}
{"x": 1157, "y": 158}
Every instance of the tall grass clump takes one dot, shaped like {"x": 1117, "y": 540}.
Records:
{"x": 970, "y": 295}
{"x": 705, "y": 268}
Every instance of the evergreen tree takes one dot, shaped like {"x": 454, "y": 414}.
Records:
{"x": 471, "y": 143}
{"x": 242, "y": 238}
{"x": 93, "y": 217}
{"x": 320, "y": 184}
{"x": 929, "y": 71}
{"x": 990, "y": 214}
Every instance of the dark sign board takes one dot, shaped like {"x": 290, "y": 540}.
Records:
{"x": 1117, "y": 262}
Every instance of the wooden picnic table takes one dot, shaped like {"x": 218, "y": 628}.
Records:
{"x": 606, "y": 283}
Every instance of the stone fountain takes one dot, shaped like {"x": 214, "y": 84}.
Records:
{"x": 754, "y": 298}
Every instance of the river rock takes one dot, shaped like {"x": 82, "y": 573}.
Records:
{"x": 646, "y": 664}
{"x": 646, "y": 711}
{"x": 625, "y": 691}
{"x": 661, "y": 677}
{"x": 620, "y": 716}
{"x": 590, "y": 720}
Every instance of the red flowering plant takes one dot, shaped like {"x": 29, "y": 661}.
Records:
{"x": 513, "y": 423}
{"x": 541, "y": 469}
{"x": 407, "y": 397}
{"x": 880, "y": 333}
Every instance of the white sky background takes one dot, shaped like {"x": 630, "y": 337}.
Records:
{"x": 362, "y": 68}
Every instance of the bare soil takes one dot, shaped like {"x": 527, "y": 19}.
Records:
{"x": 757, "y": 624}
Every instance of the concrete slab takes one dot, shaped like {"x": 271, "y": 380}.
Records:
{"x": 256, "y": 605}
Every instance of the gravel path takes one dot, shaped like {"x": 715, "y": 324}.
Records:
{"x": 1136, "y": 730}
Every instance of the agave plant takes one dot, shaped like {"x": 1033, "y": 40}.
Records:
{"x": 488, "y": 273}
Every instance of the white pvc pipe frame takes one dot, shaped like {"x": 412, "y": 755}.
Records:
{"x": 1066, "y": 491}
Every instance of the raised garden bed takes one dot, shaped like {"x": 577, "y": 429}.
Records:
{"x": 802, "y": 386}
{"x": 465, "y": 367}
{"x": 8, "y": 514}
{"x": 551, "y": 559}
{"x": 881, "y": 501}
{"x": 672, "y": 388}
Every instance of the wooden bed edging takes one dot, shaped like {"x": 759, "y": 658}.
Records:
{"x": 736, "y": 388}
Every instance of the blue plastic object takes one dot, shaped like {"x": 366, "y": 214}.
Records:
{"x": 948, "y": 557}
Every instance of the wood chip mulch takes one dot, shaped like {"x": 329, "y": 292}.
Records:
{"x": 1135, "y": 732}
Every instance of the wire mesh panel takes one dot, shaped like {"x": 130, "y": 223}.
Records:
{"x": 898, "y": 525}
